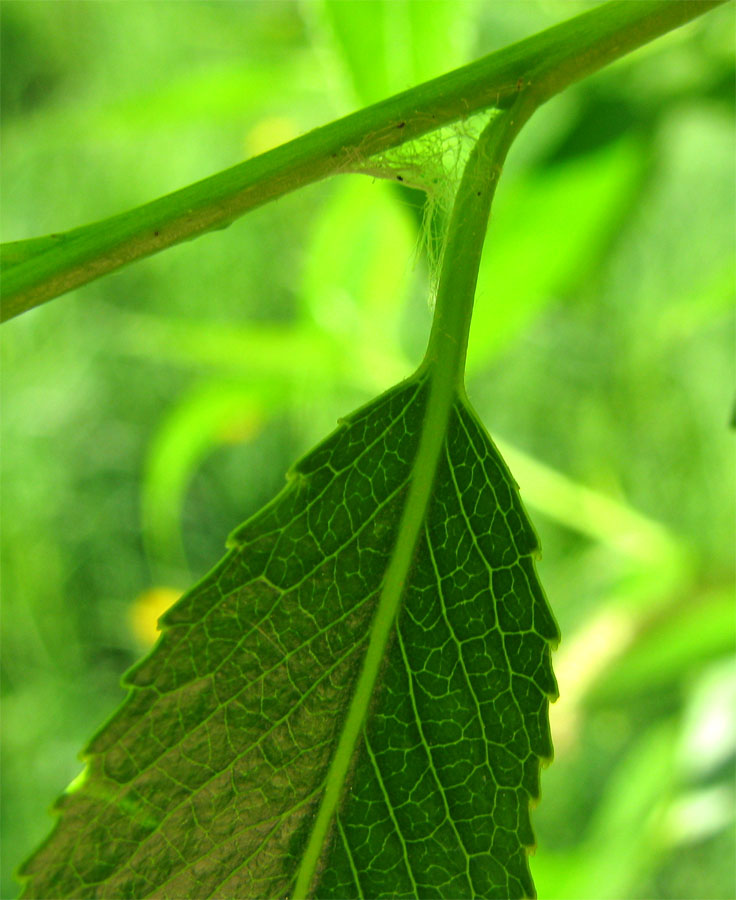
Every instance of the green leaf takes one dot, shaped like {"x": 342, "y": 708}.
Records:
{"x": 355, "y": 701}
{"x": 210, "y": 779}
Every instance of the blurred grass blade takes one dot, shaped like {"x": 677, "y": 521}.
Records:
{"x": 387, "y": 44}
{"x": 276, "y": 354}
{"x": 210, "y": 414}
{"x": 356, "y": 276}
{"x": 670, "y": 647}
{"x": 592, "y": 513}
{"x": 593, "y": 190}
{"x": 619, "y": 846}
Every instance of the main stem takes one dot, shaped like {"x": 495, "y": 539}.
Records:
{"x": 42, "y": 268}
{"x": 443, "y": 365}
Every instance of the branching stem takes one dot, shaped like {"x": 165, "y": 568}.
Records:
{"x": 39, "y": 269}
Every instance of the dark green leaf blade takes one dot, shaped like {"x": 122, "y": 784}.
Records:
{"x": 439, "y": 804}
{"x": 208, "y": 779}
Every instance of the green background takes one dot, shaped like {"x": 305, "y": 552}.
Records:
{"x": 147, "y": 414}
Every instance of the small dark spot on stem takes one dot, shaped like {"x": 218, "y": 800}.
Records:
{"x": 519, "y": 84}
{"x": 155, "y": 233}
{"x": 478, "y": 194}
{"x": 399, "y": 177}
{"x": 401, "y": 124}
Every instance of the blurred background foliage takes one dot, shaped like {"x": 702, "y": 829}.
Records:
{"x": 149, "y": 413}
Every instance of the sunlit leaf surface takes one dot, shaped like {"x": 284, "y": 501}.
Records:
{"x": 208, "y": 779}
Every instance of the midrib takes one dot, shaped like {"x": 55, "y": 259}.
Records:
{"x": 444, "y": 365}
{"x": 434, "y": 427}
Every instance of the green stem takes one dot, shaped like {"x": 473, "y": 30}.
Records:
{"x": 448, "y": 340}
{"x": 42, "y": 268}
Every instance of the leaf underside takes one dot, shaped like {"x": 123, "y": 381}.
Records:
{"x": 207, "y": 780}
